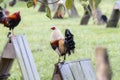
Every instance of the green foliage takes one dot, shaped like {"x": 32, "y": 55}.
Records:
{"x": 1, "y": 1}
{"x": 97, "y": 2}
{"x": 68, "y": 4}
{"x": 48, "y": 12}
{"x": 30, "y": 4}
{"x": 84, "y": 3}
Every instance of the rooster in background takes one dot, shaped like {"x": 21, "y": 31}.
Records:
{"x": 60, "y": 12}
{"x": 11, "y": 21}
{"x": 1, "y": 13}
{"x": 12, "y": 3}
{"x": 60, "y": 44}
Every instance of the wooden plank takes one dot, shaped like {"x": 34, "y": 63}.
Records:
{"x": 65, "y": 72}
{"x": 56, "y": 73}
{"x": 20, "y": 59}
{"x": 30, "y": 58}
{"x": 6, "y": 60}
{"x": 5, "y": 66}
{"x": 88, "y": 70}
{"x": 9, "y": 63}
{"x": 77, "y": 71}
{"x": 25, "y": 58}
{"x": 8, "y": 51}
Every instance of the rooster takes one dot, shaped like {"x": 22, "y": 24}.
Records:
{"x": 104, "y": 18}
{"x": 60, "y": 44}
{"x": 11, "y": 21}
{"x": 60, "y": 12}
{"x": 12, "y": 3}
{"x": 1, "y": 13}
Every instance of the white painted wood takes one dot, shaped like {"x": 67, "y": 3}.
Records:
{"x": 66, "y": 72}
{"x": 30, "y": 58}
{"x": 20, "y": 59}
{"x": 8, "y": 51}
{"x": 25, "y": 58}
{"x": 77, "y": 71}
{"x": 88, "y": 70}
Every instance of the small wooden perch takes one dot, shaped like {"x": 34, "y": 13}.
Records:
{"x": 18, "y": 48}
{"x": 76, "y": 70}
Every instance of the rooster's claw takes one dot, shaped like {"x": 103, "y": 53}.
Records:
{"x": 8, "y": 35}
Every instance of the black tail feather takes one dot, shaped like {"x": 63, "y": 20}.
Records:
{"x": 69, "y": 41}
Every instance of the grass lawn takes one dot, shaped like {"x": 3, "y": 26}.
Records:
{"x": 36, "y": 27}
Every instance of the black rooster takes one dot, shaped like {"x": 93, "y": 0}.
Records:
{"x": 69, "y": 42}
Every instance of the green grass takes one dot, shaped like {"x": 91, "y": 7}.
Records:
{"x": 36, "y": 27}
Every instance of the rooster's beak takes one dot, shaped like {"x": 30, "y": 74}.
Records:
{"x": 18, "y": 12}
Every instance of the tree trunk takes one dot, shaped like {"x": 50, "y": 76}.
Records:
{"x": 114, "y": 19}
{"x": 103, "y": 68}
{"x": 86, "y": 16}
{"x": 73, "y": 11}
{"x": 85, "y": 19}
{"x": 43, "y": 6}
{"x": 23, "y": 0}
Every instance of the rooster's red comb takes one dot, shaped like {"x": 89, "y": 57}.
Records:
{"x": 53, "y": 28}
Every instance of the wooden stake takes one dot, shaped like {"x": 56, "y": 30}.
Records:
{"x": 103, "y": 68}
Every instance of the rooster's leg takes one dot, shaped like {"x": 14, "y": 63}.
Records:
{"x": 64, "y": 58}
{"x": 59, "y": 59}
{"x": 12, "y": 32}
{"x": 9, "y": 34}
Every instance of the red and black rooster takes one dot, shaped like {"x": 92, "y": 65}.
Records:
{"x": 10, "y": 21}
